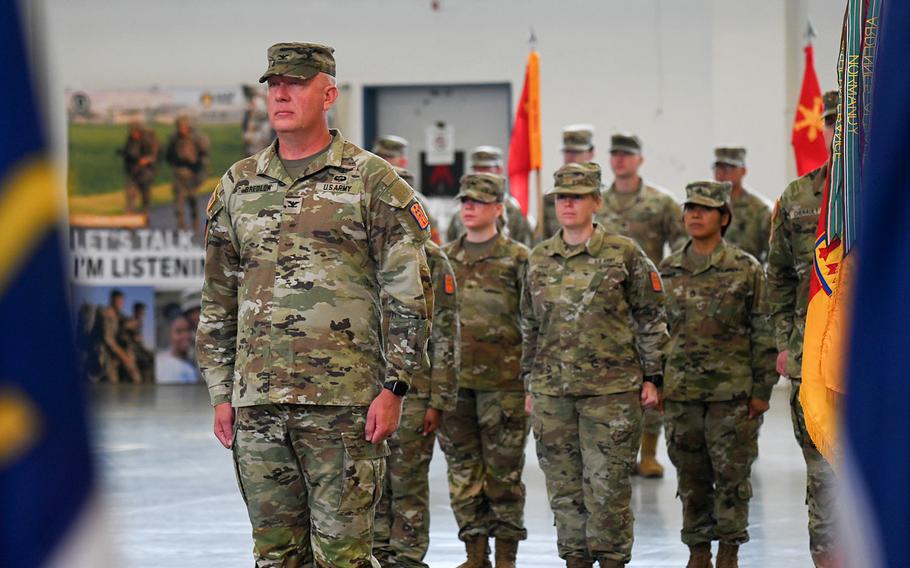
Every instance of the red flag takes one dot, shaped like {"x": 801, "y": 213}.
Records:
{"x": 808, "y": 125}
{"x": 524, "y": 148}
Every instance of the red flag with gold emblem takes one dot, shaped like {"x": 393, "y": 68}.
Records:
{"x": 808, "y": 125}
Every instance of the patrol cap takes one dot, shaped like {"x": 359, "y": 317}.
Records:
{"x": 406, "y": 175}
{"x": 731, "y": 156}
{"x": 577, "y": 138}
{"x": 486, "y": 157}
{"x": 625, "y": 142}
{"x": 713, "y": 194}
{"x": 190, "y": 300}
{"x": 390, "y": 146}
{"x": 577, "y": 179}
{"x": 300, "y": 60}
{"x": 830, "y": 99}
{"x": 486, "y": 188}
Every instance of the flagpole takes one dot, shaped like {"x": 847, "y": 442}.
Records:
{"x": 538, "y": 192}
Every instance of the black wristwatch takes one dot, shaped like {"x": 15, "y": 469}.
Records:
{"x": 398, "y": 388}
{"x": 656, "y": 380}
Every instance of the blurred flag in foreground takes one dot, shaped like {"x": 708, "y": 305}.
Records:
{"x": 46, "y": 478}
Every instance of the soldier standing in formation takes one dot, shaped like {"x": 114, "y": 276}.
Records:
{"x": 484, "y": 437}
{"x": 393, "y": 149}
{"x": 402, "y": 532}
{"x": 594, "y": 328}
{"x": 512, "y": 223}
{"x": 750, "y": 228}
{"x": 306, "y": 240}
{"x": 140, "y": 160}
{"x": 186, "y": 153}
{"x": 651, "y": 217}
{"x": 577, "y": 148}
{"x": 790, "y": 260}
{"x": 718, "y": 375}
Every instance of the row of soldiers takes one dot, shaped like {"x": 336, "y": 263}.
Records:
{"x": 110, "y": 344}
{"x": 704, "y": 391}
{"x": 186, "y": 152}
{"x": 313, "y": 340}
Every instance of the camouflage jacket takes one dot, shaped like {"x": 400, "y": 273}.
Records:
{"x": 792, "y": 250}
{"x": 515, "y": 226}
{"x": 721, "y": 346}
{"x": 652, "y": 219}
{"x": 186, "y": 151}
{"x": 751, "y": 225}
{"x": 490, "y": 288}
{"x": 593, "y": 319}
{"x": 294, "y": 273}
{"x": 440, "y": 383}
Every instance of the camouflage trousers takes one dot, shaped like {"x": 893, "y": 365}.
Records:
{"x": 186, "y": 182}
{"x": 138, "y": 187}
{"x": 652, "y": 422}
{"x": 820, "y": 481}
{"x": 586, "y": 447}
{"x": 310, "y": 482}
{"x": 713, "y": 445}
{"x": 484, "y": 442}
{"x": 402, "y": 533}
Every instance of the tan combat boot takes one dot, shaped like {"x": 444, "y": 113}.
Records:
{"x": 700, "y": 556}
{"x": 478, "y": 556}
{"x": 578, "y": 562}
{"x": 728, "y": 555}
{"x": 506, "y": 551}
{"x": 649, "y": 467}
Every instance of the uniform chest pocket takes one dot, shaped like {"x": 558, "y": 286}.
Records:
{"x": 730, "y": 306}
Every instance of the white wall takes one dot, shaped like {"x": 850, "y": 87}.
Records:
{"x": 684, "y": 74}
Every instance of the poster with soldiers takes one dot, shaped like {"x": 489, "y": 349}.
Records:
{"x": 142, "y": 165}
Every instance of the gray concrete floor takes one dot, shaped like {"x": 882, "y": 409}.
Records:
{"x": 169, "y": 487}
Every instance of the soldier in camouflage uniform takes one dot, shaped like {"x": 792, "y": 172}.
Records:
{"x": 512, "y": 223}
{"x": 402, "y": 533}
{"x": 790, "y": 259}
{"x": 718, "y": 375}
{"x": 140, "y": 160}
{"x": 484, "y": 437}
{"x": 313, "y": 247}
{"x": 751, "y": 225}
{"x": 594, "y": 327}
{"x": 187, "y": 151}
{"x": 393, "y": 149}
{"x": 577, "y": 148}
{"x": 115, "y": 358}
{"x": 650, "y": 216}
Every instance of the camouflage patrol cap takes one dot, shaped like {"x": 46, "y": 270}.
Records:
{"x": 577, "y": 179}
{"x": 390, "y": 146}
{"x": 486, "y": 188}
{"x": 731, "y": 156}
{"x": 486, "y": 157}
{"x": 406, "y": 175}
{"x": 625, "y": 142}
{"x": 709, "y": 193}
{"x": 300, "y": 60}
{"x": 578, "y": 138}
{"x": 830, "y": 99}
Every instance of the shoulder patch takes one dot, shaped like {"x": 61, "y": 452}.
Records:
{"x": 396, "y": 192}
{"x": 656, "y": 284}
{"x": 449, "y": 284}
{"x": 214, "y": 205}
{"x": 419, "y": 215}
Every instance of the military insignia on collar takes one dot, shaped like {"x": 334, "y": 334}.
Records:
{"x": 419, "y": 215}
{"x": 449, "y": 284}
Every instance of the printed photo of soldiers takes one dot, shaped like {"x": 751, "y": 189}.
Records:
{"x": 187, "y": 155}
{"x": 140, "y": 155}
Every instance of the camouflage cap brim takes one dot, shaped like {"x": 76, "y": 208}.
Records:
{"x": 575, "y": 190}
{"x": 577, "y": 147}
{"x": 476, "y": 196}
{"x": 704, "y": 201}
{"x": 625, "y": 148}
{"x": 290, "y": 70}
{"x": 730, "y": 162}
{"x": 486, "y": 163}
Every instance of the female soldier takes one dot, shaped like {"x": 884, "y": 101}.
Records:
{"x": 484, "y": 437}
{"x": 594, "y": 326}
{"x": 719, "y": 374}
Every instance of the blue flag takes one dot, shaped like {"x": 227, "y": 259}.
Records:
{"x": 877, "y": 414}
{"x": 45, "y": 467}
